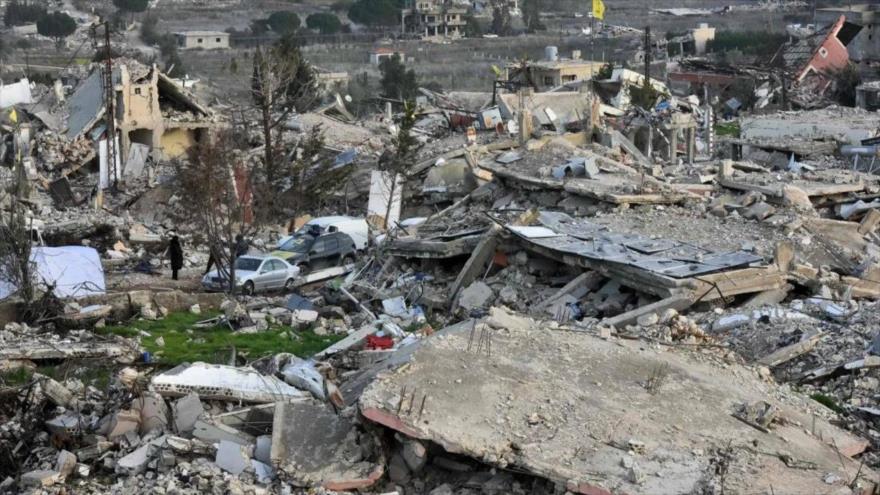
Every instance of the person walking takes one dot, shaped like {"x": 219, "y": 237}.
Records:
{"x": 213, "y": 251}
{"x": 175, "y": 254}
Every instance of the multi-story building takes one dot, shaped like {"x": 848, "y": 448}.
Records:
{"x": 429, "y": 18}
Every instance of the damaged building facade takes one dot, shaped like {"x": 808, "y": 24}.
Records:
{"x": 153, "y": 114}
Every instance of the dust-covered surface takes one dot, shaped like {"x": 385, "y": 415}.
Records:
{"x": 571, "y": 406}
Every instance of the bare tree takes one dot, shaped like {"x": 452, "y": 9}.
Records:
{"x": 216, "y": 186}
{"x": 16, "y": 226}
{"x": 282, "y": 82}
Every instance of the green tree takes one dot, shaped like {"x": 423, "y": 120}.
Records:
{"x": 605, "y": 72}
{"x": 397, "y": 81}
{"x": 501, "y": 18}
{"x": 56, "y": 25}
{"x": 324, "y": 23}
{"x": 22, "y": 12}
{"x": 532, "y": 15}
{"x": 283, "y": 22}
{"x": 341, "y": 6}
{"x": 132, "y": 6}
{"x": 472, "y": 27}
{"x": 376, "y": 12}
{"x": 644, "y": 96}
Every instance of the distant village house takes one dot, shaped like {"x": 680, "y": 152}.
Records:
{"x": 208, "y": 40}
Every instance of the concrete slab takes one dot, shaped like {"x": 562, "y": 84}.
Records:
{"x": 214, "y": 381}
{"x": 316, "y": 446}
{"x": 186, "y": 411}
{"x": 231, "y": 457}
{"x": 566, "y": 406}
{"x": 210, "y": 432}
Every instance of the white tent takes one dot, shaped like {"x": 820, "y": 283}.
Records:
{"x": 74, "y": 271}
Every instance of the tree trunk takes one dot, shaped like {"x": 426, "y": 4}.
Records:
{"x": 268, "y": 152}
{"x": 390, "y": 199}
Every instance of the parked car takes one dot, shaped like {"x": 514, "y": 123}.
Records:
{"x": 313, "y": 252}
{"x": 255, "y": 274}
{"x": 356, "y": 228}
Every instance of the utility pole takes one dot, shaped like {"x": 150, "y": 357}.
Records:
{"x": 647, "y": 54}
{"x": 109, "y": 105}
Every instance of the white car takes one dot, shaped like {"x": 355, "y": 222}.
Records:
{"x": 255, "y": 274}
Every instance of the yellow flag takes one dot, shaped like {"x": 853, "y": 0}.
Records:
{"x": 599, "y": 9}
{"x": 13, "y": 116}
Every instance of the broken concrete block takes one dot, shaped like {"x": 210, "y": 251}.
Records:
{"x": 303, "y": 375}
{"x": 65, "y": 463}
{"x": 153, "y": 412}
{"x": 263, "y": 449}
{"x": 64, "y": 425}
{"x": 414, "y": 454}
{"x": 215, "y": 432}
{"x": 398, "y": 471}
{"x": 502, "y": 318}
{"x": 124, "y": 421}
{"x": 178, "y": 444}
{"x": 759, "y": 211}
{"x": 186, "y": 411}
{"x": 40, "y": 478}
{"x": 135, "y": 462}
{"x": 796, "y": 197}
{"x": 57, "y": 393}
{"x": 231, "y": 457}
{"x": 312, "y": 442}
{"x": 475, "y": 296}
{"x": 263, "y": 472}
{"x": 304, "y": 316}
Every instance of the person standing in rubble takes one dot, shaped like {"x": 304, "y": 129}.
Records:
{"x": 241, "y": 246}
{"x": 175, "y": 254}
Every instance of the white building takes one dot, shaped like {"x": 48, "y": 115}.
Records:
{"x": 207, "y": 40}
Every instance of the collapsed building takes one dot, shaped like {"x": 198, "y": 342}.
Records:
{"x": 567, "y": 292}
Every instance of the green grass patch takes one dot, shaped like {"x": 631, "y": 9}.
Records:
{"x": 16, "y": 377}
{"x": 727, "y": 129}
{"x": 827, "y": 402}
{"x": 186, "y": 343}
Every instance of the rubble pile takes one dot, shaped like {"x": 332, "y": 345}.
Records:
{"x": 565, "y": 291}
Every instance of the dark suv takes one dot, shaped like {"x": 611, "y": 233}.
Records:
{"x": 311, "y": 252}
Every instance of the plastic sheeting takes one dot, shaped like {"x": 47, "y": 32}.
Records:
{"x": 73, "y": 271}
